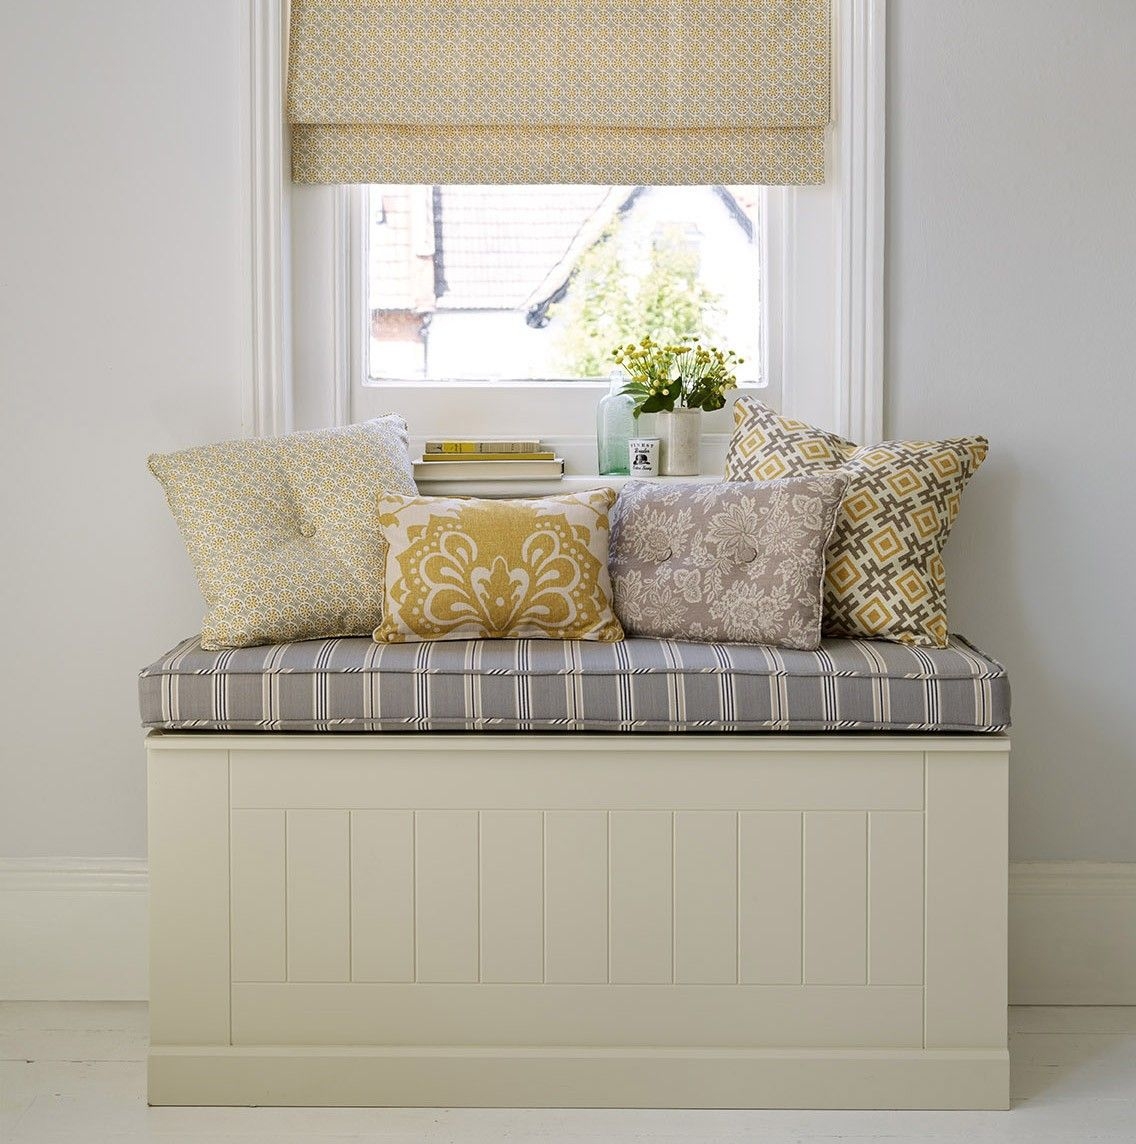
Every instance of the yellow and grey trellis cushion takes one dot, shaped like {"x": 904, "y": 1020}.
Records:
{"x": 884, "y": 573}
{"x": 283, "y": 532}
{"x": 563, "y": 685}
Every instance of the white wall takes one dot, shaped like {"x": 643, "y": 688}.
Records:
{"x": 1011, "y": 294}
{"x": 124, "y": 328}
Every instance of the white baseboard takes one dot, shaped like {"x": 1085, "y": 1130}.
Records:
{"x": 75, "y": 929}
{"x": 1073, "y": 933}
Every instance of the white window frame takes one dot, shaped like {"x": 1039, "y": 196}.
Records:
{"x": 561, "y": 412}
{"x": 824, "y": 321}
{"x": 351, "y": 203}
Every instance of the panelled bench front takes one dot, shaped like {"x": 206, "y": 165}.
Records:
{"x": 807, "y": 912}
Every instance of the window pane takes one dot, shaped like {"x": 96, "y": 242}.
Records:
{"x": 518, "y": 282}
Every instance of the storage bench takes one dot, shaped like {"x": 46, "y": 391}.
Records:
{"x": 767, "y": 918}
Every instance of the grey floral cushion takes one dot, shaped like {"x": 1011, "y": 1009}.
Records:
{"x": 724, "y": 562}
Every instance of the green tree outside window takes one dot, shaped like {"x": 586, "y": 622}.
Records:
{"x": 606, "y": 306}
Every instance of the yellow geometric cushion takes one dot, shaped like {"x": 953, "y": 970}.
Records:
{"x": 460, "y": 569}
{"x": 282, "y": 531}
{"x": 884, "y": 573}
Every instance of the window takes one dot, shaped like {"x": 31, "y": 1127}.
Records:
{"x": 484, "y": 283}
{"x": 330, "y": 348}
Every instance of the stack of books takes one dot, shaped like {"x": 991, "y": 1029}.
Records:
{"x": 499, "y": 459}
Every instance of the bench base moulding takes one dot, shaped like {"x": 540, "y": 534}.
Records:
{"x": 555, "y": 920}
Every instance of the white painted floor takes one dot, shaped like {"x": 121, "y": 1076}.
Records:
{"x": 75, "y": 1072}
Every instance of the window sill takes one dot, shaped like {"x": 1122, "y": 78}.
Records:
{"x": 577, "y": 482}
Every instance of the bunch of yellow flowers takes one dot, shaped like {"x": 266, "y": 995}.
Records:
{"x": 684, "y": 373}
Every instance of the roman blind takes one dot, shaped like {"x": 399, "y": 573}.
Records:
{"x": 558, "y": 91}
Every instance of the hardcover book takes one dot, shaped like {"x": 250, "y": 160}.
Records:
{"x": 474, "y": 470}
{"x": 497, "y": 445}
{"x": 458, "y": 459}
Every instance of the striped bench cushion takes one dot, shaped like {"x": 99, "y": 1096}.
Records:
{"x": 354, "y": 684}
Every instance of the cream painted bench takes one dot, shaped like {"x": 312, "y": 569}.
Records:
{"x": 578, "y": 919}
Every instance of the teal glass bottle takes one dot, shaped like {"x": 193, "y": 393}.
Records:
{"x": 615, "y": 425}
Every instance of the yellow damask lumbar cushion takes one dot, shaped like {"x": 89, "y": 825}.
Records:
{"x": 884, "y": 574}
{"x": 460, "y": 569}
{"x": 282, "y": 531}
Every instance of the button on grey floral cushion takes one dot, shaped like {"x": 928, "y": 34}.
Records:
{"x": 724, "y": 562}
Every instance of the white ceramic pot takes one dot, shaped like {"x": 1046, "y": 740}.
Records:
{"x": 680, "y": 436}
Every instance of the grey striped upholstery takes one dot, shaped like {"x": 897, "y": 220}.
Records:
{"x": 354, "y": 684}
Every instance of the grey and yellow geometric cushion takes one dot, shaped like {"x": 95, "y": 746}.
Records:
{"x": 884, "y": 569}
{"x": 283, "y": 532}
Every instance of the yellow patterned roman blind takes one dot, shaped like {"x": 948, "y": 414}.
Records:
{"x": 558, "y": 91}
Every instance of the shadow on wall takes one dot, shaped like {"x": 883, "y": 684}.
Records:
{"x": 1017, "y": 578}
